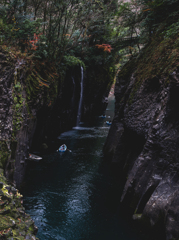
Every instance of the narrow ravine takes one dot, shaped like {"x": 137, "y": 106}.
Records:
{"x": 74, "y": 195}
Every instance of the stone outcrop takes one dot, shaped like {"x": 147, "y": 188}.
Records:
{"x": 17, "y": 127}
{"x": 16, "y": 131}
{"x": 143, "y": 142}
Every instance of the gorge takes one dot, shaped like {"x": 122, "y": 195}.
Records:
{"x": 58, "y": 61}
{"x": 25, "y": 127}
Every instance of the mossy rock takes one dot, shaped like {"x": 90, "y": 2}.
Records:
{"x": 14, "y": 222}
{"x": 4, "y": 154}
{"x": 6, "y": 222}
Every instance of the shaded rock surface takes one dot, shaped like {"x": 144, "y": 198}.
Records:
{"x": 61, "y": 116}
{"x": 143, "y": 142}
{"x": 17, "y": 127}
{"x": 97, "y": 84}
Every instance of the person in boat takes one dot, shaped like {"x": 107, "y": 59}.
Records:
{"x": 63, "y": 147}
{"x": 109, "y": 122}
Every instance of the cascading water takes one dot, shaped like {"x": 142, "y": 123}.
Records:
{"x": 81, "y": 99}
{"x": 74, "y": 88}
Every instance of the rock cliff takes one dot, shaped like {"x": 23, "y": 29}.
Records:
{"x": 16, "y": 131}
{"x": 143, "y": 140}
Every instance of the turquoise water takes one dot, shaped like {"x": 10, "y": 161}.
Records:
{"x": 74, "y": 195}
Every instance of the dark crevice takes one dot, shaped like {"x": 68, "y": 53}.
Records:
{"x": 173, "y": 106}
{"x": 145, "y": 198}
{"x": 152, "y": 85}
{"x": 132, "y": 145}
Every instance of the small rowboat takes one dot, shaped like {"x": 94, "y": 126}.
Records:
{"x": 102, "y": 116}
{"x": 108, "y": 123}
{"x": 34, "y": 157}
{"x": 62, "y": 148}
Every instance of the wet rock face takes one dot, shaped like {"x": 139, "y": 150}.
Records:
{"x": 6, "y": 99}
{"x": 16, "y": 127}
{"x": 23, "y": 125}
{"x": 144, "y": 142}
{"x": 62, "y": 115}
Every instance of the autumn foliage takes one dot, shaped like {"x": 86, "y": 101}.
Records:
{"x": 32, "y": 44}
{"x": 34, "y": 41}
{"x": 104, "y": 47}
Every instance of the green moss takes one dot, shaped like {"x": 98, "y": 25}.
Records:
{"x": 17, "y": 106}
{"x": 127, "y": 69}
{"x": 41, "y": 84}
{"x": 73, "y": 61}
{"x": 134, "y": 91}
{"x": 13, "y": 221}
{"x": 5, "y": 223}
{"x": 4, "y": 153}
{"x": 159, "y": 59}
{"x": 137, "y": 216}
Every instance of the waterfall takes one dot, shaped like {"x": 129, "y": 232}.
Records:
{"x": 74, "y": 88}
{"x": 81, "y": 99}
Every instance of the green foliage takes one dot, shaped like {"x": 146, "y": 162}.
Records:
{"x": 172, "y": 30}
{"x": 42, "y": 51}
{"x": 66, "y": 26}
{"x": 158, "y": 59}
{"x": 87, "y": 33}
{"x": 13, "y": 221}
{"x": 63, "y": 26}
{"x": 73, "y": 61}
{"x": 23, "y": 30}
{"x": 16, "y": 27}
{"x": 41, "y": 84}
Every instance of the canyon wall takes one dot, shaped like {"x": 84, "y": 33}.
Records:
{"x": 143, "y": 142}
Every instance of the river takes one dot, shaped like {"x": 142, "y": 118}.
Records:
{"x": 74, "y": 195}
